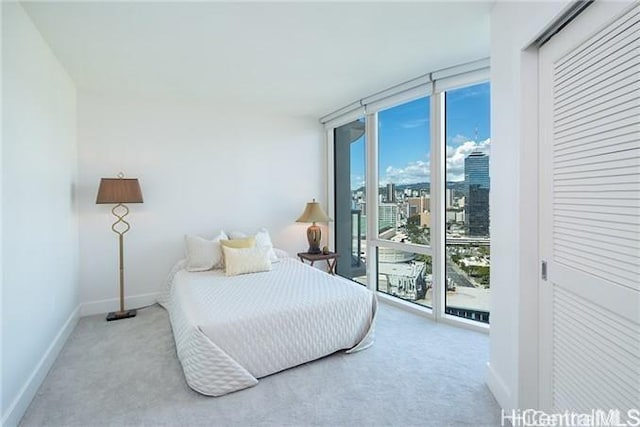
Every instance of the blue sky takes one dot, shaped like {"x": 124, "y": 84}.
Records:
{"x": 404, "y": 137}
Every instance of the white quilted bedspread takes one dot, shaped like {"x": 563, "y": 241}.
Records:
{"x": 229, "y": 331}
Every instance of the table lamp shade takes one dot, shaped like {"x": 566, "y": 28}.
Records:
{"x": 313, "y": 213}
{"x": 119, "y": 190}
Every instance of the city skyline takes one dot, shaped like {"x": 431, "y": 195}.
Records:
{"x": 404, "y": 138}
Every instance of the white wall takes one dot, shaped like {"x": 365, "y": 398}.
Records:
{"x": 201, "y": 168}
{"x": 512, "y": 373}
{"x": 40, "y": 228}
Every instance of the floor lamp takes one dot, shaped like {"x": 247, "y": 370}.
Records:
{"x": 119, "y": 191}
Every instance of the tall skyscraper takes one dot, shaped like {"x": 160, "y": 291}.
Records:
{"x": 391, "y": 193}
{"x": 476, "y": 177}
{"x": 387, "y": 216}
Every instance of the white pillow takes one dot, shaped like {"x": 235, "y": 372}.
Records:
{"x": 203, "y": 254}
{"x": 246, "y": 260}
{"x": 263, "y": 239}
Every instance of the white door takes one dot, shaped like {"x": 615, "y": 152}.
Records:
{"x": 589, "y": 154}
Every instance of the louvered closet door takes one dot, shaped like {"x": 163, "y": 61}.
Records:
{"x": 590, "y": 211}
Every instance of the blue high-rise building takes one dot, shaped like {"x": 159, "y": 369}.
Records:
{"x": 476, "y": 170}
{"x": 476, "y": 177}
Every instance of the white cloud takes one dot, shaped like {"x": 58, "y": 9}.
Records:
{"x": 411, "y": 173}
{"x": 410, "y": 124}
{"x": 459, "y": 139}
{"x": 418, "y": 171}
{"x": 457, "y": 154}
{"x": 357, "y": 181}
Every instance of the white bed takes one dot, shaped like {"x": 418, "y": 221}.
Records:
{"x": 230, "y": 331}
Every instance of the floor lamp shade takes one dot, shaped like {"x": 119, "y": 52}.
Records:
{"x": 313, "y": 213}
{"x": 118, "y": 191}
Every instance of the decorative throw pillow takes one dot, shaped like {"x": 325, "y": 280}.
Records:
{"x": 263, "y": 239}
{"x": 245, "y": 260}
{"x": 247, "y": 242}
{"x": 203, "y": 254}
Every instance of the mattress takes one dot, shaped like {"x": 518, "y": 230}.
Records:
{"x": 230, "y": 331}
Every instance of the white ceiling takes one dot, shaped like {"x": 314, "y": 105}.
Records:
{"x": 297, "y": 58}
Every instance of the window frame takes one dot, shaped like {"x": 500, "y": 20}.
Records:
{"x": 436, "y": 250}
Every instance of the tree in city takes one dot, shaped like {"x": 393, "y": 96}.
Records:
{"x": 415, "y": 232}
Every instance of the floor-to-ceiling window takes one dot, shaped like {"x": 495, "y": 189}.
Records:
{"x": 350, "y": 199}
{"x": 411, "y": 195}
{"x": 404, "y": 201}
{"x": 467, "y": 255}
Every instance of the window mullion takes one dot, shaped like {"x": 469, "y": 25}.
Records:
{"x": 331, "y": 189}
{"x": 371, "y": 185}
{"x": 438, "y": 151}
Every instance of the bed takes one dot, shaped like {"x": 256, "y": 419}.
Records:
{"x": 231, "y": 331}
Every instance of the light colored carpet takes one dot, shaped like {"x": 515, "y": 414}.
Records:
{"x": 127, "y": 373}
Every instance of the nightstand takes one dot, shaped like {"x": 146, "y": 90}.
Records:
{"x": 331, "y": 258}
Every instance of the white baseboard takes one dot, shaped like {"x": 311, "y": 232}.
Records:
{"x": 112, "y": 304}
{"x": 16, "y": 410}
{"x": 499, "y": 389}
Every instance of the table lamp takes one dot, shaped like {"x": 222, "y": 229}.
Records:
{"x": 313, "y": 213}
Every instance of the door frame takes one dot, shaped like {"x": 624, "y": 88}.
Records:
{"x": 529, "y": 254}
{"x": 529, "y": 388}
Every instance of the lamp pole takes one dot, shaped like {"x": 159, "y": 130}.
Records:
{"x": 120, "y": 231}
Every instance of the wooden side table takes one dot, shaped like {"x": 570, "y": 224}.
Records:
{"x": 331, "y": 258}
